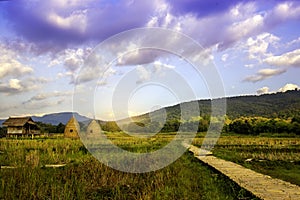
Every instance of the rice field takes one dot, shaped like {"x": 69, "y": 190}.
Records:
{"x": 28, "y": 169}
{"x": 25, "y": 173}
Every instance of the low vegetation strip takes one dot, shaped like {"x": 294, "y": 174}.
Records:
{"x": 262, "y": 186}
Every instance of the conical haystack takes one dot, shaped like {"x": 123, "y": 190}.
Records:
{"x": 72, "y": 128}
{"x": 93, "y": 129}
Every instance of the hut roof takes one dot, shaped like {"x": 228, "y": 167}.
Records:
{"x": 18, "y": 121}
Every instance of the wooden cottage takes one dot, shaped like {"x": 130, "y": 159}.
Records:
{"x": 72, "y": 128}
{"x": 93, "y": 129}
{"x": 21, "y": 126}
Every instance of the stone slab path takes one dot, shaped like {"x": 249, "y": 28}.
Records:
{"x": 260, "y": 185}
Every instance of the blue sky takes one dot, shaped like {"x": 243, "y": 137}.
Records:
{"x": 254, "y": 45}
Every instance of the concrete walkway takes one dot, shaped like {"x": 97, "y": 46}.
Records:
{"x": 260, "y": 185}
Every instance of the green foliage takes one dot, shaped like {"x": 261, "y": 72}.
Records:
{"x": 49, "y": 128}
{"x": 258, "y": 125}
{"x": 282, "y": 105}
{"x": 3, "y": 132}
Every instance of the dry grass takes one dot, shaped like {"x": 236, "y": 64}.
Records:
{"x": 84, "y": 177}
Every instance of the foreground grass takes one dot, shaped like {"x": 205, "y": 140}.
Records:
{"x": 85, "y": 178}
{"x": 278, "y": 157}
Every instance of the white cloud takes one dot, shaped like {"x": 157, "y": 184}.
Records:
{"x": 241, "y": 21}
{"x": 249, "y": 65}
{"x": 139, "y": 56}
{"x": 287, "y": 10}
{"x": 289, "y": 59}
{"x": 258, "y": 46}
{"x": 72, "y": 59}
{"x": 16, "y": 86}
{"x": 159, "y": 66}
{"x": 10, "y": 66}
{"x": 294, "y": 42}
{"x": 263, "y": 90}
{"x": 144, "y": 73}
{"x": 76, "y": 21}
{"x": 288, "y": 86}
{"x": 247, "y": 27}
{"x": 264, "y": 74}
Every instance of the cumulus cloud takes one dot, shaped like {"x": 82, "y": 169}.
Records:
{"x": 143, "y": 73}
{"x": 140, "y": 57}
{"x": 235, "y": 20}
{"x": 72, "y": 22}
{"x": 16, "y": 86}
{"x": 71, "y": 60}
{"x": 263, "y": 90}
{"x": 258, "y": 46}
{"x": 142, "y": 47}
{"x": 146, "y": 72}
{"x": 288, "y": 86}
{"x": 10, "y": 64}
{"x": 75, "y": 22}
{"x": 264, "y": 74}
{"x": 283, "y": 11}
{"x": 289, "y": 59}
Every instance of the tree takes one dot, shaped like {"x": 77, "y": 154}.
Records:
{"x": 3, "y": 131}
{"x": 296, "y": 128}
{"x": 60, "y": 128}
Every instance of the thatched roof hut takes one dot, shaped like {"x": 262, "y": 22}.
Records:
{"x": 21, "y": 126}
{"x": 72, "y": 128}
{"x": 93, "y": 129}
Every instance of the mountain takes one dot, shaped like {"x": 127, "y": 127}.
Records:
{"x": 56, "y": 118}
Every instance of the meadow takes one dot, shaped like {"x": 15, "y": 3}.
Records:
{"x": 25, "y": 173}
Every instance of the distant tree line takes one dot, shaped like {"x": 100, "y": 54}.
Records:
{"x": 257, "y": 125}
{"x": 199, "y": 124}
{"x": 241, "y": 125}
{"x": 50, "y": 128}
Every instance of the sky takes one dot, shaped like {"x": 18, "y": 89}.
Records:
{"x": 45, "y": 45}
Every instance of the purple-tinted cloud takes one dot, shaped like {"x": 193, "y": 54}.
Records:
{"x": 55, "y": 24}
{"x": 201, "y": 8}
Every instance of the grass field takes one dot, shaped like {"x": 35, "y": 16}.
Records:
{"x": 83, "y": 177}
{"x": 278, "y": 156}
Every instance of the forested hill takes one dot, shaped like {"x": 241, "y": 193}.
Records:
{"x": 284, "y": 105}
{"x": 281, "y": 105}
